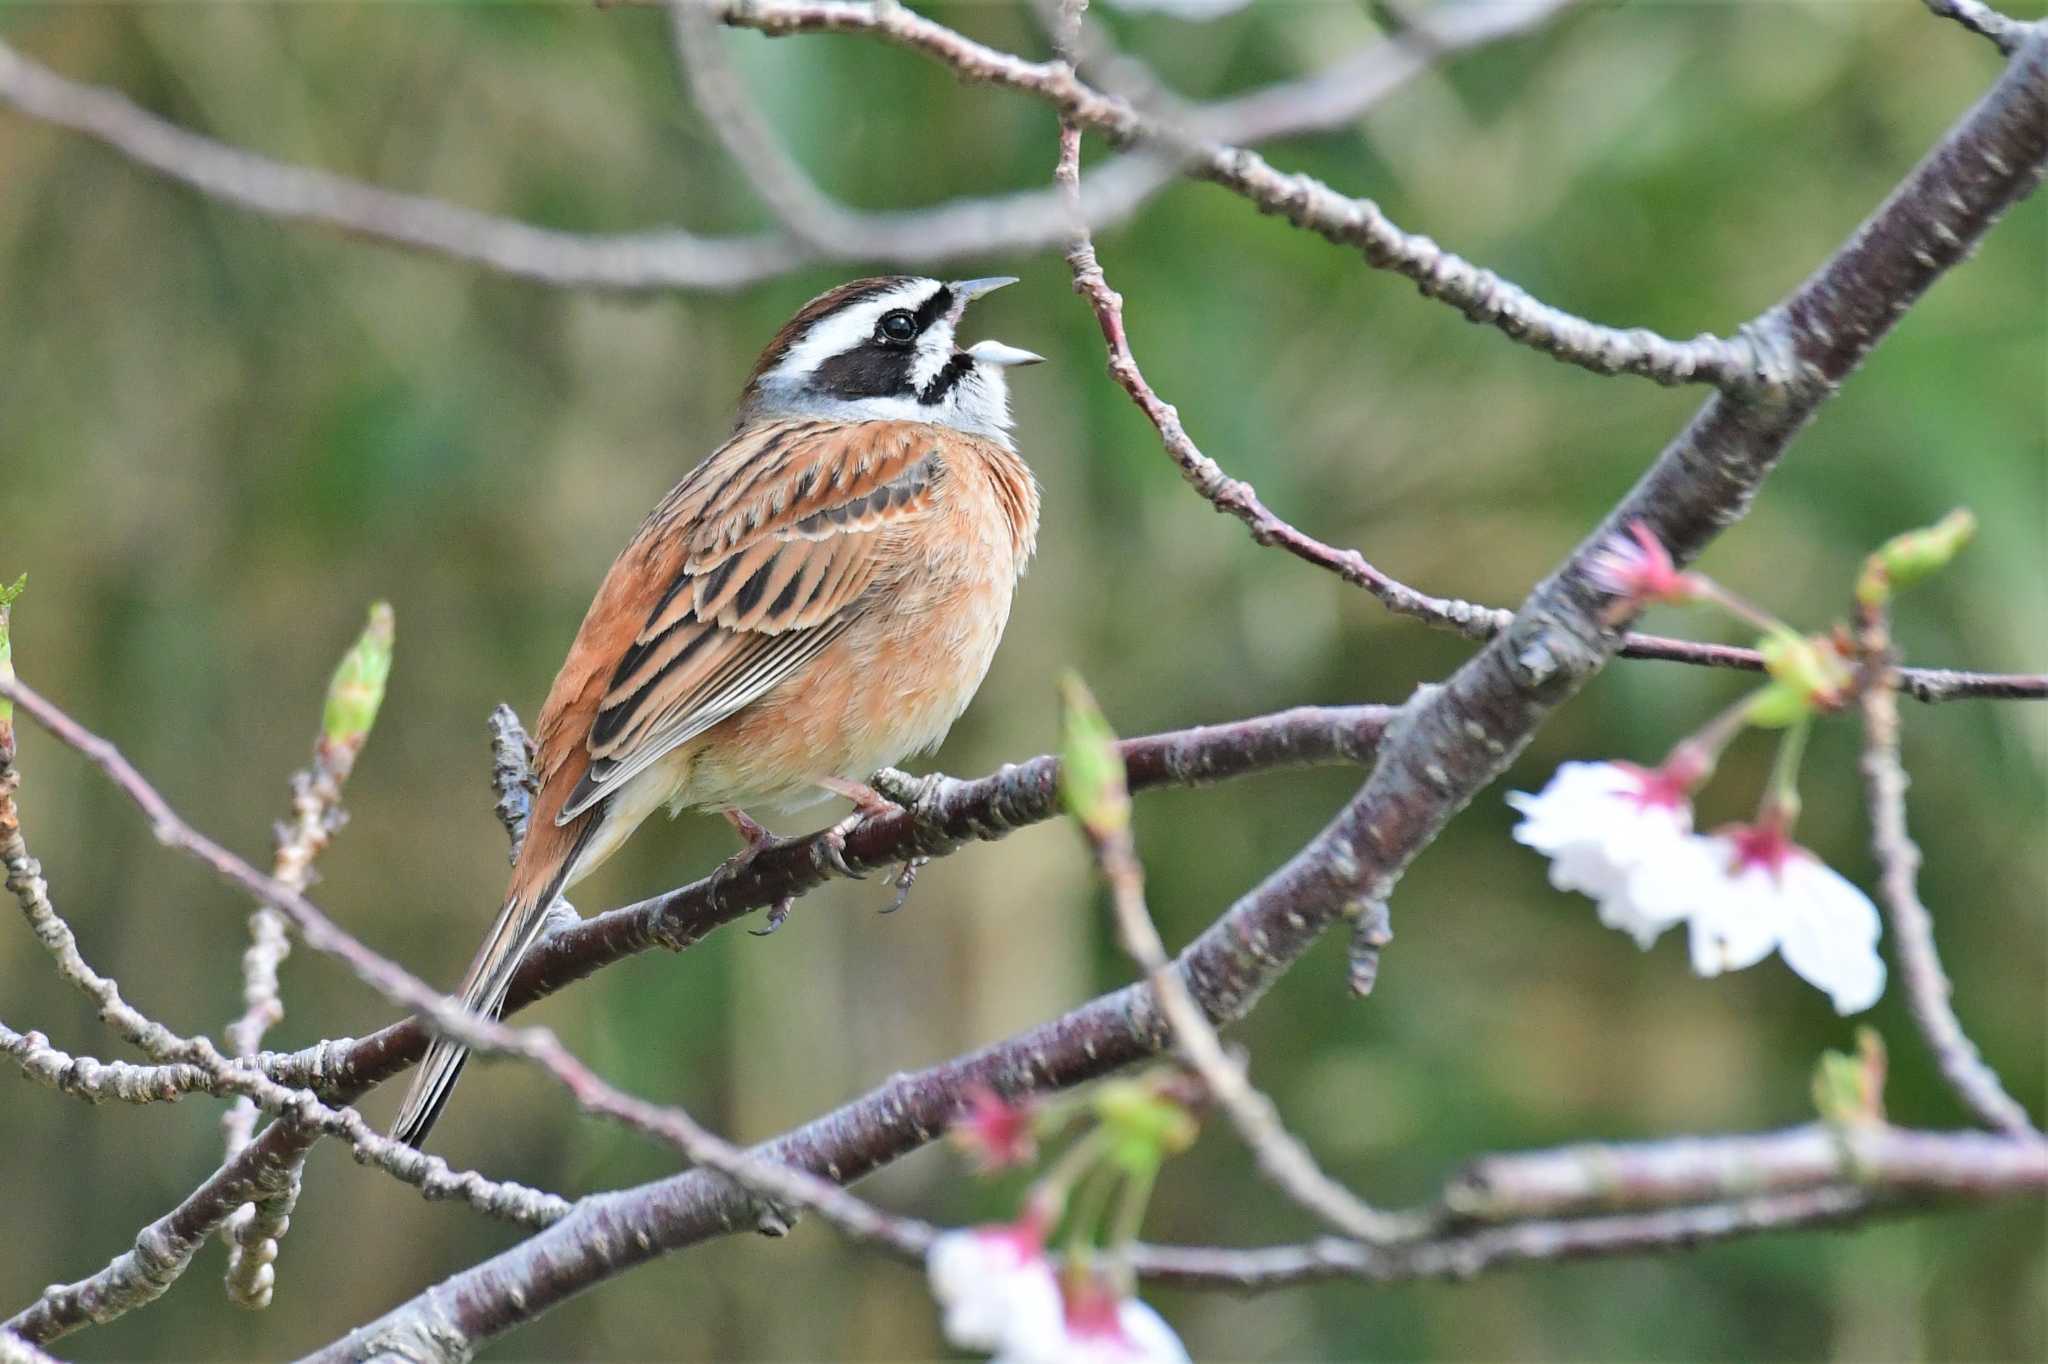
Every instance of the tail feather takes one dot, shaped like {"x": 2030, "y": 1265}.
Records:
{"x": 483, "y": 991}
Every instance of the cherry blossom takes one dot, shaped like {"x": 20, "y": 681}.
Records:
{"x": 1098, "y": 1325}
{"x": 996, "y": 1132}
{"x": 1638, "y": 569}
{"x": 1749, "y": 888}
{"x": 1598, "y": 823}
{"x": 995, "y": 1286}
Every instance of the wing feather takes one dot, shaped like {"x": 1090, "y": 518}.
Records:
{"x": 763, "y": 554}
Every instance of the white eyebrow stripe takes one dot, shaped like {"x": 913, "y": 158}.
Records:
{"x": 847, "y": 328}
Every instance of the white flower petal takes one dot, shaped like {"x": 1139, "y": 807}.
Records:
{"x": 1734, "y": 919}
{"x": 1153, "y": 1340}
{"x": 1830, "y": 935}
{"x": 991, "y": 1289}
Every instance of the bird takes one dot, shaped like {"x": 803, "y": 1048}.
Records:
{"x": 817, "y": 600}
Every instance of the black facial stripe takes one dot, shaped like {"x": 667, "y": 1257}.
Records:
{"x": 867, "y": 371}
{"x": 934, "y": 308}
{"x": 944, "y": 381}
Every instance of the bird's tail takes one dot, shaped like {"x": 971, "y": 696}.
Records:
{"x": 483, "y": 991}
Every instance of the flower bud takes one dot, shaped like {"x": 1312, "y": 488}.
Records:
{"x": 1148, "y": 1125}
{"x": 358, "y": 686}
{"x": 1808, "y": 673}
{"x": 7, "y": 599}
{"x": 1907, "y": 558}
{"x": 1850, "y": 1089}
{"x": 1091, "y": 768}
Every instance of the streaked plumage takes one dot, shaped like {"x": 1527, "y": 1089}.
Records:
{"x": 816, "y": 600}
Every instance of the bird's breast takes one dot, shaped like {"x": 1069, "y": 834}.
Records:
{"x": 903, "y": 671}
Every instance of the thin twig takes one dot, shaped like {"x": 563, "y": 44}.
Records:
{"x": 778, "y": 1186}
{"x": 956, "y": 230}
{"x": 1898, "y": 861}
{"x": 1482, "y": 296}
{"x": 163, "y": 1251}
{"x": 354, "y": 695}
{"x": 1448, "y": 743}
{"x": 1463, "y": 1256}
{"x": 1280, "y": 1155}
{"x": 2004, "y": 32}
{"x": 95, "y": 1081}
{"x": 959, "y": 810}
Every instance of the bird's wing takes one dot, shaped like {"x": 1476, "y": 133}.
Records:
{"x": 755, "y": 562}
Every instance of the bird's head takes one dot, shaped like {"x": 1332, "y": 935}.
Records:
{"x": 883, "y": 350}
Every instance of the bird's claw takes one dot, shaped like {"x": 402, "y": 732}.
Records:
{"x": 905, "y": 878}
{"x": 777, "y": 914}
{"x": 832, "y": 846}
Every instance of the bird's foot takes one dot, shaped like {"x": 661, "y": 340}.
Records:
{"x": 757, "y": 840}
{"x": 920, "y": 796}
{"x": 777, "y": 913}
{"x": 868, "y": 803}
{"x": 903, "y": 880}
{"x": 832, "y": 845}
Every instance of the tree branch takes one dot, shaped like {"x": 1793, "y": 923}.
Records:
{"x": 1479, "y": 294}
{"x": 163, "y": 1250}
{"x": 673, "y": 259}
{"x": 1447, "y": 744}
{"x": 15, "y": 1350}
{"x": 2005, "y": 33}
{"x": 1280, "y": 1155}
{"x": 1571, "y": 1180}
{"x": 951, "y": 814}
{"x": 349, "y": 710}
{"x": 95, "y": 1081}
{"x": 1898, "y": 861}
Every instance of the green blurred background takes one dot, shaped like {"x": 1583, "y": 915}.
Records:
{"x": 221, "y": 436}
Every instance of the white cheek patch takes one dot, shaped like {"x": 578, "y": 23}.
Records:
{"x": 934, "y": 350}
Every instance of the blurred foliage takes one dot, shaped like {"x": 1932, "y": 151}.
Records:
{"x": 221, "y": 436}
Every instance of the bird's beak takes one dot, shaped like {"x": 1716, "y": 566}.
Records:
{"x": 965, "y": 291}
{"x": 996, "y": 353}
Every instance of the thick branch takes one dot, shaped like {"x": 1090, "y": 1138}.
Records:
{"x": 1448, "y": 744}
{"x": 952, "y": 814}
{"x": 1281, "y": 1156}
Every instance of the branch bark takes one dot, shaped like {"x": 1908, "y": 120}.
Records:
{"x": 950, "y": 814}
{"x": 1447, "y": 745}
{"x": 1898, "y": 861}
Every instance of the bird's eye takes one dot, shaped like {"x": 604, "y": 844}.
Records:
{"x": 898, "y": 327}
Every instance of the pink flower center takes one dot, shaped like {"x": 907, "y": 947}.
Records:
{"x": 1091, "y": 1306}
{"x": 1665, "y": 788}
{"x": 1023, "y": 1239}
{"x": 996, "y": 1131}
{"x": 1763, "y": 845}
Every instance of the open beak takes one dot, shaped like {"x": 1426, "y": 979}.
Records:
{"x": 996, "y": 353}
{"x": 965, "y": 291}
